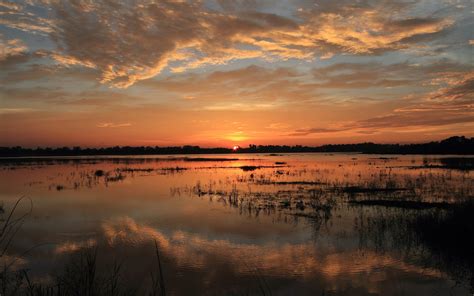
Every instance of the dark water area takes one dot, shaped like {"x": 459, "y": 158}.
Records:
{"x": 243, "y": 224}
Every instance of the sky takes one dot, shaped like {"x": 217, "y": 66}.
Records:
{"x": 222, "y": 73}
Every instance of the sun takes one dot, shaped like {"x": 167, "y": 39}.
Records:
{"x": 236, "y": 147}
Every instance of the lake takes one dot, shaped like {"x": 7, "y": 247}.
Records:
{"x": 242, "y": 224}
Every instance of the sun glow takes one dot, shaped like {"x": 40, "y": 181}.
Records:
{"x": 236, "y": 147}
{"x": 237, "y": 136}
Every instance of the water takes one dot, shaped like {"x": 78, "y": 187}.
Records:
{"x": 239, "y": 224}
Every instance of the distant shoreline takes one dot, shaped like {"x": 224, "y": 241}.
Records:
{"x": 458, "y": 145}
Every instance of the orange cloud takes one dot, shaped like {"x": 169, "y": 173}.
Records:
{"x": 113, "y": 125}
{"x": 11, "y": 48}
{"x": 303, "y": 259}
{"x": 128, "y": 43}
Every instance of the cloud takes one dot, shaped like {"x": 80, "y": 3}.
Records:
{"x": 15, "y": 110}
{"x": 129, "y": 42}
{"x": 10, "y": 6}
{"x": 347, "y": 83}
{"x": 22, "y": 17}
{"x": 71, "y": 247}
{"x": 451, "y": 103}
{"x": 35, "y": 71}
{"x": 354, "y": 75}
{"x": 243, "y": 78}
{"x": 247, "y": 88}
{"x": 372, "y": 32}
{"x": 64, "y": 98}
{"x": 317, "y": 130}
{"x": 32, "y": 94}
{"x": 414, "y": 119}
{"x": 376, "y": 74}
{"x": 11, "y": 50}
{"x": 400, "y": 121}
{"x": 113, "y": 125}
{"x": 458, "y": 86}
{"x": 188, "y": 249}
{"x": 425, "y": 115}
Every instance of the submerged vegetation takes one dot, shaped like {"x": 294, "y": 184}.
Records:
{"x": 454, "y": 163}
{"x": 82, "y": 275}
{"x": 422, "y": 216}
{"x": 436, "y": 235}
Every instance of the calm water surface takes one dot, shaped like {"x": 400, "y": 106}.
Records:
{"x": 239, "y": 224}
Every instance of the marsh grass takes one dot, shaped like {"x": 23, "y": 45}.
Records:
{"x": 405, "y": 204}
{"x": 453, "y": 163}
{"x": 42, "y": 161}
{"x": 375, "y": 177}
{"x": 12, "y": 224}
{"x": 85, "y": 274}
{"x": 438, "y": 236}
{"x": 424, "y": 190}
{"x": 157, "y": 277}
{"x": 89, "y": 179}
{"x": 82, "y": 275}
{"x": 425, "y": 214}
{"x": 449, "y": 236}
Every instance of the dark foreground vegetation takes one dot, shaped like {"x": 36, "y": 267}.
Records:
{"x": 82, "y": 275}
{"x": 440, "y": 237}
{"x": 454, "y": 145}
{"x": 421, "y": 214}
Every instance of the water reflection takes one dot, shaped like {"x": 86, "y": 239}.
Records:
{"x": 286, "y": 224}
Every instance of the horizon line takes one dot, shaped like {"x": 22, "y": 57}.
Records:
{"x": 231, "y": 146}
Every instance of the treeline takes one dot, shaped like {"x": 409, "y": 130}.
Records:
{"x": 453, "y": 145}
